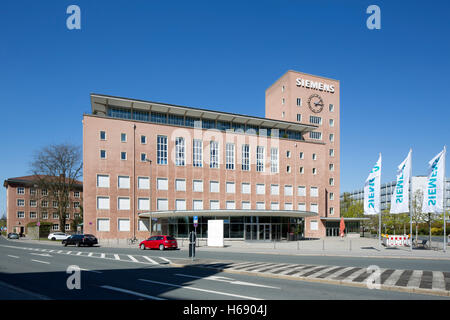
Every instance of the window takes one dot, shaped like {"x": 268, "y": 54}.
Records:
{"x": 288, "y": 169}
{"x": 288, "y": 154}
{"x": 214, "y": 154}
{"x": 301, "y": 191}
{"x": 230, "y": 205}
{"x": 274, "y": 189}
{"x": 331, "y": 152}
{"x": 274, "y": 206}
{"x": 76, "y": 194}
{"x": 198, "y": 204}
{"x": 331, "y": 196}
{"x": 314, "y": 156}
{"x": 260, "y": 189}
{"x": 103, "y": 203}
{"x": 245, "y": 205}
{"x": 299, "y": 117}
{"x": 331, "y": 122}
{"x": 44, "y": 215}
{"x": 143, "y": 157}
{"x": 102, "y": 154}
{"x": 176, "y": 120}
{"x": 282, "y": 114}
{"x": 313, "y": 225}
{"x": 123, "y": 137}
{"x": 102, "y": 181}
{"x": 315, "y": 135}
{"x": 315, "y": 120}
{"x": 161, "y": 149}
{"x": 301, "y": 206}
{"x": 283, "y": 88}
{"x": 260, "y": 206}
{"x": 301, "y": 155}
{"x": 67, "y": 226}
{"x": 33, "y": 203}
{"x": 180, "y": 204}
{"x": 143, "y": 225}
{"x": 331, "y": 167}
{"x": 229, "y": 155}
{"x": 55, "y": 204}
{"x": 260, "y": 159}
{"x": 44, "y": 203}
{"x": 76, "y": 205}
{"x": 288, "y": 206}
{"x": 44, "y": 192}
{"x": 198, "y": 185}
{"x": 283, "y": 100}
{"x": 331, "y": 137}
{"x": 246, "y": 188}
{"x": 32, "y": 192}
{"x": 214, "y": 205}
{"x": 20, "y": 214}
{"x": 314, "y": 192}
{"x": 214, "y": 186}
{"x": 55, "y": 227}
{"x": 162, "y": 184}
{"x": 331, "y": 211}
{"x": 314, "y": 207}
{"x": 20, "y": 190}
{"x": 180, "y": 185}
{"x": 245, "y": 157}
{"x": 274, "y": 160}
{"x": 67, "y": 215}
{"x": 123, "y": 155}
{"x": 55, "y": 216}
{"x": 197, "y": 153}
{"x": 314, "y": 171}
{"x": 102, "y": 135}
{"x": 179, "y": 152}
{"x": 331, "y": 182}
{"x": 123, "y": 182}
{"x": 162, "y": 204}
{"x": 331, "y": 108}
{"x": 143, "y": 183}
{"x": 143, "y": 140}
{"x": 299, "y": 102}
{"x": 123, "y": 203}
{"x": 143, "y": 204}
{"x": 288, "y": 190}
{"x": 231, "y": 187}
{"x": 102, "y": 224}
{"x": 301, "y": 170}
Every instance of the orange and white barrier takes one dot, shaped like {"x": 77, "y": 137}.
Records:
{"x": 396, "y": 241}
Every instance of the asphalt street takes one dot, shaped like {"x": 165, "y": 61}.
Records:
{"x": 110, "y": 273}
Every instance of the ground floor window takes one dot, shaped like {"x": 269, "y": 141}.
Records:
{"x": 55, "y": 227}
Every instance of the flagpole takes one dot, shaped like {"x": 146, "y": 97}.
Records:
{"x": 443, "y": 201}
{"x": 379, "y": 214}
{"x": 410, "y": 213}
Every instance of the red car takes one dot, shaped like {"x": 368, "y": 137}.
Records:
{"x": 159, "y": 242}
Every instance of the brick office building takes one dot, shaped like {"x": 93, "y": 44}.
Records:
{"x": 26, "y": 203}
{"x": 153, "y": 166}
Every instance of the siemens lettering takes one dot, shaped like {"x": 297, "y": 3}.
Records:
{"x": 399, "y": 188}
{"x": 432, "y": 184}
{"x": 315, "y": 85}
{"x": 372, "y": 193}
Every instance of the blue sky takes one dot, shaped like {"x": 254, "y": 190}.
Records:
{"x": 222, "y": 55}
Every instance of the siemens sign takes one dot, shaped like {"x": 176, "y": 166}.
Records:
{"x": 315, "y": 85}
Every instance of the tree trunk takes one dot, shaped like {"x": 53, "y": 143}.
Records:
{"x": 416, "y": 234}
{"x": 429, "y": 228}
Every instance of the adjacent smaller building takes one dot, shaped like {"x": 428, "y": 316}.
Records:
{"x": 26, "y": 203}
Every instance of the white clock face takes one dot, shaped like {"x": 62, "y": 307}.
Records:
{"x": 315, "y": 103}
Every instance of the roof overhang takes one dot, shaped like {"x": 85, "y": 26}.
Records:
{"x": 227, "y": 213}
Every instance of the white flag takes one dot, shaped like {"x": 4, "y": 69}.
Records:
{"x": 372, "y": 190}
{"x": 433, "y": 196}
{"x": 400, "y": 196}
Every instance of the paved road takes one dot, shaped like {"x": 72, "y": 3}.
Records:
{"x": 39, "y": 272}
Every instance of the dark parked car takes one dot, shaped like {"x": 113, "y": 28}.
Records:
{"x": 13, "y": 235}
{"x": 159, "y": 242}
{"x": 80, "y": 240}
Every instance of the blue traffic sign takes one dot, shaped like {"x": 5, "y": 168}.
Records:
{"x": 195, "y": 221}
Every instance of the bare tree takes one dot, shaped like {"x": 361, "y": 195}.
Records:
{"x": 57, "y": 168}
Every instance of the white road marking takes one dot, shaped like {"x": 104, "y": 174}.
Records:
{"x": 90, "y": 254}
{"x": 79, "y": 253}
{"x": 41, "y": 254}
{"x": 415, "y": 278}
{"x": 226, "y": 279}
{"x": 68, "y": 252}
{"x": 393, "y": 278}
{"x": 29, "y": 293}
{"x": 102, "y": 256}
{"x": 40, "y": 261}
{"x": 167, "y": 260}
{"x": 203, "y": 290}
{"x": 132, "y": 258}
{"x": 116, "y": 256}
{"x": 131, "y": 292}
{"x": 94, "y": 271}
{"x": 338, "y": 273}
{"x": 438, "y": 281}
{"x": 13, "y": 256}
{"x": 151, "y": 260}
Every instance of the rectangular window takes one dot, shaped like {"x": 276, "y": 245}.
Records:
{"x": 67, "y": 227}
{"x": 180, "y": 185}
{"x": 331, "y": 196}
{"x": 299, "y": 117}
{"x": 143, "y": 140}
{"x": 44, "y": 204}
{"x": 274, "y": 206}
{"x": 123, "y": 182}
{"x": 103, "y": 203}
{"x": 55, "y": 216}
{"x": 197, "y": 185}
{"x": 144, "y": 183}
{"x": 179, "y": 152}
{"x": 229, "y": 156}
{"x": 260, "y": 189}
{"x": 314, "y": 207}
{"x": 198, "y": 204}
{"x": 214, "y": 186}
{"x": 158, "y": 117}
{"x": 274, "y": 189}
{"x": 33, "y": 203}
{"x": 143, "y": 204}
{"x": 260, "y": 206}
{"x": 123, "y": 155}
{"x": 314, "y": 225}
{"x": 55, "y": 227}
{"x": 331, "y": 137}
{"x": 214, "y": 205}
{"x": 197, "y": 155}
{"x": 102, "y": 154}
{"x": 102, "y": 224}
{"x": 331, "y": 182}
{"x": 314, "y": 192}
{"x": 331, "y": 122}
{"x": 331, "y": 108}
{"x": 44, "y": 215}
{"x": 246, "y": 188}
{"x": 32, "y": 192}
{"x": 20, "y": 202}
{"x": 245, "y": 157}
{"x": 331, "y": 152}
{"x": 231, "y": 187}
{"x": 315, "y": 120}
{"x": 331, "y": 211}
{"x": 260, "y": 159}
{"x": 299, "y": 102}
{"x": 180, "y": 204}
{"x": 55, "y": 204}
{"x": 102, "y": 181}
{"x": 44, "y": 192}
{"x": 288, "y": 190}
{"x": 230, "y": 205}
{"x": 20, "y": 214}
{"x": 162, "y": 184}
{"x": 331, "y": 167}
{"x": 20, "y": 190}
{"x": 76, "y": 205}
{"x": 301, "y": 155}
{"x": 102, "y": 135}
{"x": 162, "y": 205}
{"x": 123, "y": 137}
{"x": 161, "y": 149}
{"x": 288, "y": 206}
{"x": 301, "y": 206}
{"x": 143, "y": 157}
{"x": 76, "y": 194}
{"x": 315, "y": 135}
{"x": 214, "y": 154}
{"x": 143, "y": 225}
{"x": 123, "y": 203}
{"x": 301, "y": 191}
{"x": 246, "y": 205}
{"x": 274, "y": 160}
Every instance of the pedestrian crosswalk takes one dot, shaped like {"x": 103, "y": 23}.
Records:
{"x": 153, "y": 260}
{"x": 414, "y": 280}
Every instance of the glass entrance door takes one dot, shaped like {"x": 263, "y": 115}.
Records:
{"x": 264, "y": 232}
{"x": 251, "y": 232}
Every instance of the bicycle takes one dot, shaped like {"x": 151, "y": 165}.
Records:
{"x": 132, "y": 240}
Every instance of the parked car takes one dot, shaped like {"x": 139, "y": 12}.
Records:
{"x": 58, "y": 236}
{"x": 80, "y": 240}
{"x": 159, "y": 242}
{"x": 13, "y": 235}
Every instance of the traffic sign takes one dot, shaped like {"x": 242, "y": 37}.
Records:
{"x": 195, "y": 221}
{"x": 38, "y": 223}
